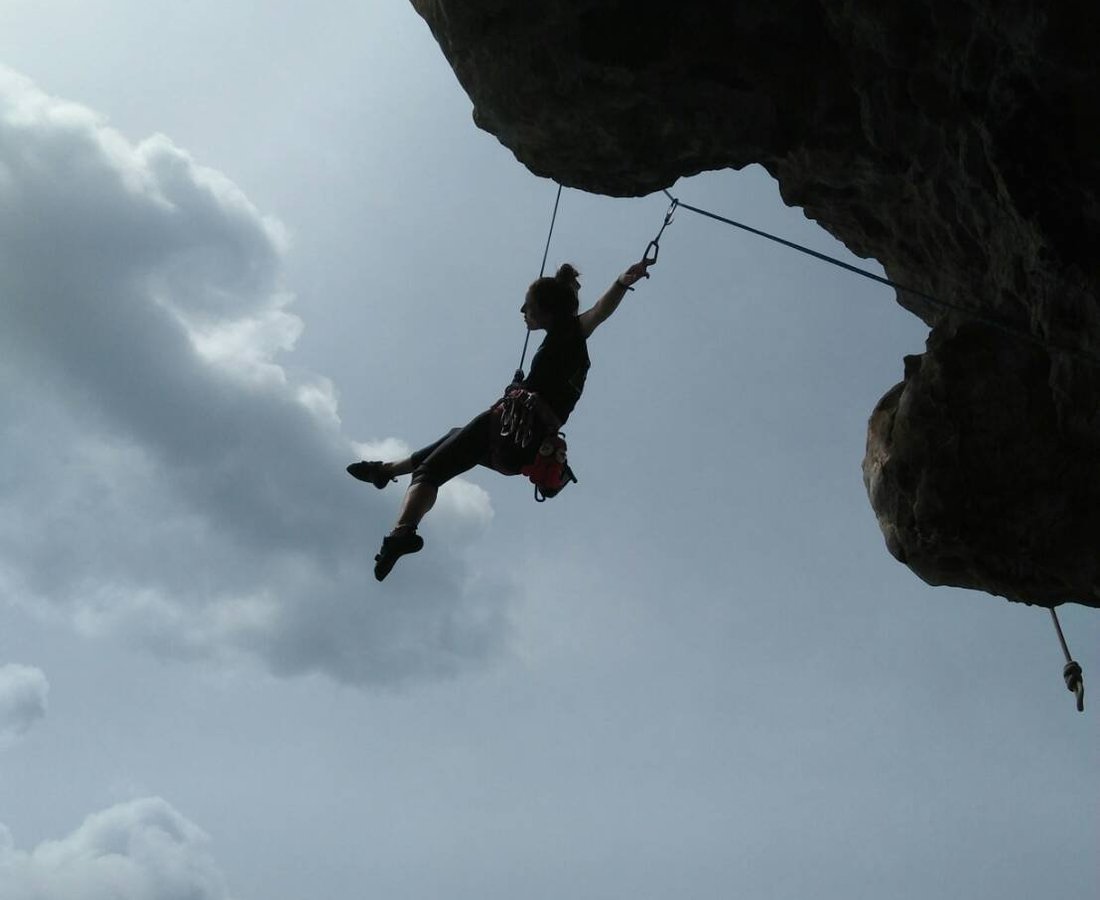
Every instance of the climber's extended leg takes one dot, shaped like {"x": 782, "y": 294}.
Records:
{"x": 381, "y": 473}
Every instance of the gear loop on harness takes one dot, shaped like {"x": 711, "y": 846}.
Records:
{"x": 518, "y": 417}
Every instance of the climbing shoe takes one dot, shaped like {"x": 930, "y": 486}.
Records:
{"x": 394, "y": 546}
{"x": 371, "y": 472}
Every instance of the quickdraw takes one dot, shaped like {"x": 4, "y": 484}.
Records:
{"x": 519, "y": 417}
{"x": 655, "y": 244}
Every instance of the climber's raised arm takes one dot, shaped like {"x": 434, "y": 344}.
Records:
{"x": 609, "y": 302}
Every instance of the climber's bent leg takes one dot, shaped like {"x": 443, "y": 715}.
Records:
{"x": 458, "y": 452}
{"x": 381, "y": 473}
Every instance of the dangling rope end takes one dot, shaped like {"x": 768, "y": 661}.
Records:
{"x": 1072, "y": 673}
{"x": 1075, "y": 682}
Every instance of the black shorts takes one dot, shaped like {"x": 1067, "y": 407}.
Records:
{"x": 478, "y": 443}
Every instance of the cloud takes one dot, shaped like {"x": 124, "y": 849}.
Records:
{"x": 166, "y": 475}
{"x": 142, "y": 850}
{"x": 23, "y": 694}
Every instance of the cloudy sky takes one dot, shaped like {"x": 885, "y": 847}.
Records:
{"x": 243, "y": 243}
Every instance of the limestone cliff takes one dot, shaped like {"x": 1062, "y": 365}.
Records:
{"x": 955, "y": 141}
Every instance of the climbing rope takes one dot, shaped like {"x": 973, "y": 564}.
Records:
{"x": 542, "y": 271}
{"x": 1001, "y": 324}
{"x": 1072, "y": 673}
{"x": 550, "y": 234}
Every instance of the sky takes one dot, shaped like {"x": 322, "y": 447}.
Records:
{"x": 244, "y": 243}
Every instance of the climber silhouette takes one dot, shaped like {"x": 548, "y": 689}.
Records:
{"x": 508, "y": 436}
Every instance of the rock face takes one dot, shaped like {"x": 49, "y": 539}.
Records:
{"x": 955, "y": 141}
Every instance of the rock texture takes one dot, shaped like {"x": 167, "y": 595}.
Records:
{"x": 955, "y": 141}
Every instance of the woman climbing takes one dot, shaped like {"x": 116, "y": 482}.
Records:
{"x": 506, "y": 437}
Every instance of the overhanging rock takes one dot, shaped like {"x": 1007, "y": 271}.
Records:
{"x": 956, "y": 143}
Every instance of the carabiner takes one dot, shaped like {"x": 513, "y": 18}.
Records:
{"x": 655, "y": 244}
{"x": 671, "y": 211}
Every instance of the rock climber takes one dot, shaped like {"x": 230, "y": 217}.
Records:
{"x": 509, "y": 436}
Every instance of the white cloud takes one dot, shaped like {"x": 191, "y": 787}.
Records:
{"x": 165, "y": 476}
{"x": 142, "y": 850}
{"x": 23, "y": 694}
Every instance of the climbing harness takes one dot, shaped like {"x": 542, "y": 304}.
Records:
{"x": 1072, "y": 673}
{"x": 519, "y": 416}
{"x": 523, "y": 415}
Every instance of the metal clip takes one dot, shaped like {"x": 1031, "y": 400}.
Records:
{"x": 655, "y": 244}
{"x": 671, "y": 212}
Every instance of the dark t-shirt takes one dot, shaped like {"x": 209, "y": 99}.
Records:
{"x": 560, "y": 367}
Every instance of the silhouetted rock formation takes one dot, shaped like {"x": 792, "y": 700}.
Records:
{"x": 955, "y": 142}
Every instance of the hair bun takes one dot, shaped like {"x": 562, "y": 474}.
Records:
{"x": 567, "y": 273}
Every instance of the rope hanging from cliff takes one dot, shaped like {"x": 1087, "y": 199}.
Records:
{"x": 1072, "y": 673}
{"x": 542, "y": 271}
{"x": 1001, "y": 324}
